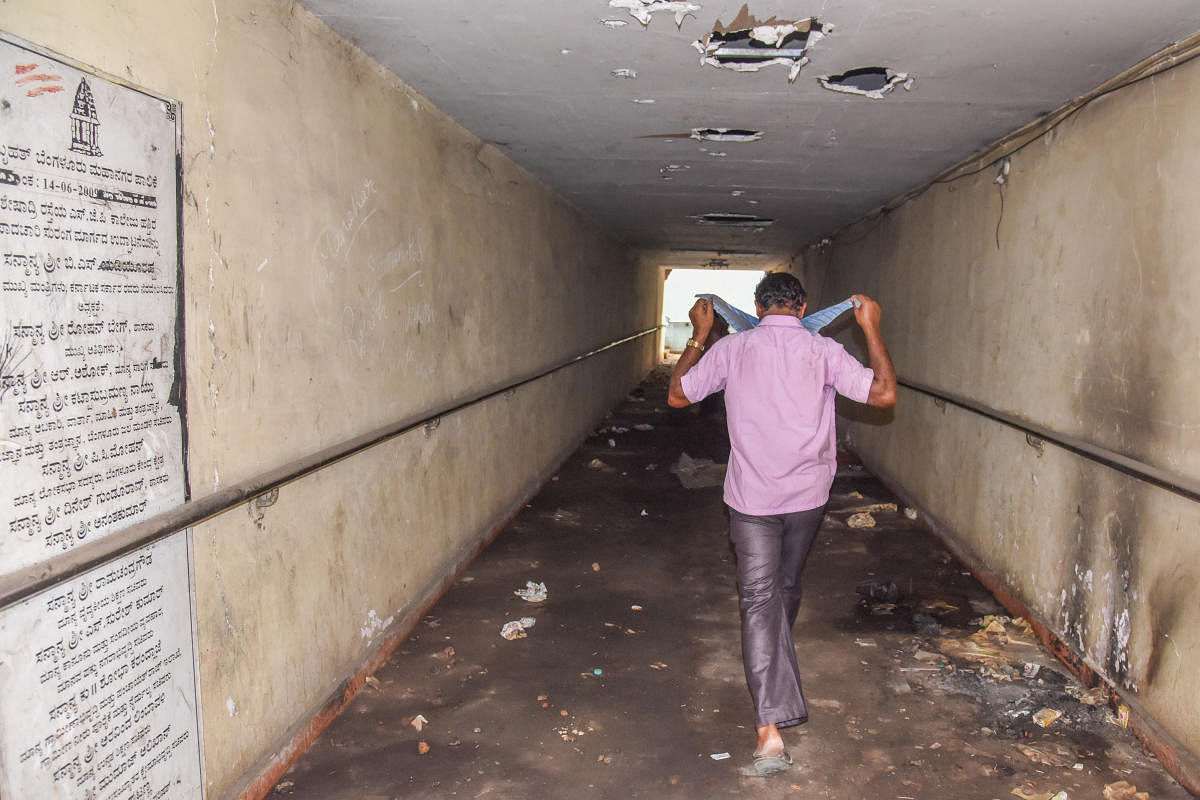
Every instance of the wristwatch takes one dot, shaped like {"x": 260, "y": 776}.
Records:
{"x": 695, "y": 344}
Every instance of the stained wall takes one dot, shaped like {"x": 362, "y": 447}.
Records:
{"x": 352, "y": 257}
{"x": 1065, "y": 297}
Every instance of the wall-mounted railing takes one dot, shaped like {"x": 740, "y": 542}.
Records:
{"x": 28, "y": 581}
{"x": 1164, "y": 479}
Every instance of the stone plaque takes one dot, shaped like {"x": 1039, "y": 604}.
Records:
{"x": 98, "y": 695}
{"x": 98, "y": 684}
{"x": 91, "y": 384}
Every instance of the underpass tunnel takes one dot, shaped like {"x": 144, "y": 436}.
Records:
{"x": 391, "y": 335}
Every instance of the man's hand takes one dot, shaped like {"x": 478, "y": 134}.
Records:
{"x": 701, "y": 316}
{"x": 867, "y": 312}
{"x": 702, "y": 324}
{"x": 883, "y": 387}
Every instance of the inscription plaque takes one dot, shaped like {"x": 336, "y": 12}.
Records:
{"x": 98, "y": 697}
{"x": 91, "y": 394}
{"x": 97, "y": 684}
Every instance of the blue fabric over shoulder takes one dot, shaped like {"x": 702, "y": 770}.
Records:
{"x": 814, "y": 322}
{"x": 738, "y": 319}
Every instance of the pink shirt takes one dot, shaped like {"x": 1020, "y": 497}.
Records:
{"x": 779, "y": 382}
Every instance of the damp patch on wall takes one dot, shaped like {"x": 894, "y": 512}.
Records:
{"x": 872, "y": 82}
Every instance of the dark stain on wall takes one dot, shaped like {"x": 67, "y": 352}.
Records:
{"x": 1116, "y": 402}
{"x": 1166, "y": 600}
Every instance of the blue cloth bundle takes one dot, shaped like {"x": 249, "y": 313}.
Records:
{"x": 814, "y": 322}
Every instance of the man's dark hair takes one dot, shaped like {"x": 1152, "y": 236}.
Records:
{"x": 780, "y": 289}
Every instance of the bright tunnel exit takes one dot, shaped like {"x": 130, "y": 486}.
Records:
{"x": 681, "y": 286}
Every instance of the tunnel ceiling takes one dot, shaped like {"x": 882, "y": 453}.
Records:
{"x": 703, "y": 129}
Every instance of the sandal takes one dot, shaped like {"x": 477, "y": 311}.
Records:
{"x": 768, "y": 764}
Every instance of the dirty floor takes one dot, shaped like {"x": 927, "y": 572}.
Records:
{"x": 630, "y": 683}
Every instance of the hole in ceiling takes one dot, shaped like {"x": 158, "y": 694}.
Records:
{"x": 873, "y": 82}
{"x": 726, "y": 135}
{"x": 643, "y": 10}
{"x": 733, "y": 220}
{"x": 748, "y": 44}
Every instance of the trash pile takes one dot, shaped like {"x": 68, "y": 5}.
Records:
{"x": 864, "y": 516}
{"x": 1004, "y": 648}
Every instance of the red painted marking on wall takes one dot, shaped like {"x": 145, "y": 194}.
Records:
{"x": 41, "y": 76}
{"x": 43, "y": 90}
{"x": 21, "y": 69}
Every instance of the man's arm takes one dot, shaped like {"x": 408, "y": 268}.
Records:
{"x": 883, "y": 387}
{"x": 702, "y": 322}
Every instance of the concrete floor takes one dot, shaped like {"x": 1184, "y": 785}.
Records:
{"x": 631, "y": 678}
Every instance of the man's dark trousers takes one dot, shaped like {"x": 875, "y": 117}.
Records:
{"x": 771, "y": 551}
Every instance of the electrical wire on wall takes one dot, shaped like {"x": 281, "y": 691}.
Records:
{"x": 1001, "y": 179}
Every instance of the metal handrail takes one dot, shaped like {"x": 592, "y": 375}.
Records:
{"x": 1164, "y": 479}
{"x": 30, "y": 580}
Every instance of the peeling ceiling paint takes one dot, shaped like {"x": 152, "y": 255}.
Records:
{"x": 827, "y": 157}
{"x": 748, "y": 46}
{"x": 872, "y": 82}
{"x": 643, "y": 10}
{"x": 725, "y": 135}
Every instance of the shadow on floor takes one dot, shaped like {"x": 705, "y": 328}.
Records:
{"x": 631, "y": 680}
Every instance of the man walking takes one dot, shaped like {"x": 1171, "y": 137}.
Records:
{"x": 779, "y": 382}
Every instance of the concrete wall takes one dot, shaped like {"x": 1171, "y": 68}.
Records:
{"x": 352, "y": 256}
{"x": 1082, "y": 319}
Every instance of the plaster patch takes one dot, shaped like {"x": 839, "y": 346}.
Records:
{"x": 624, "y": 72}
{"x": 644, "y": 10}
